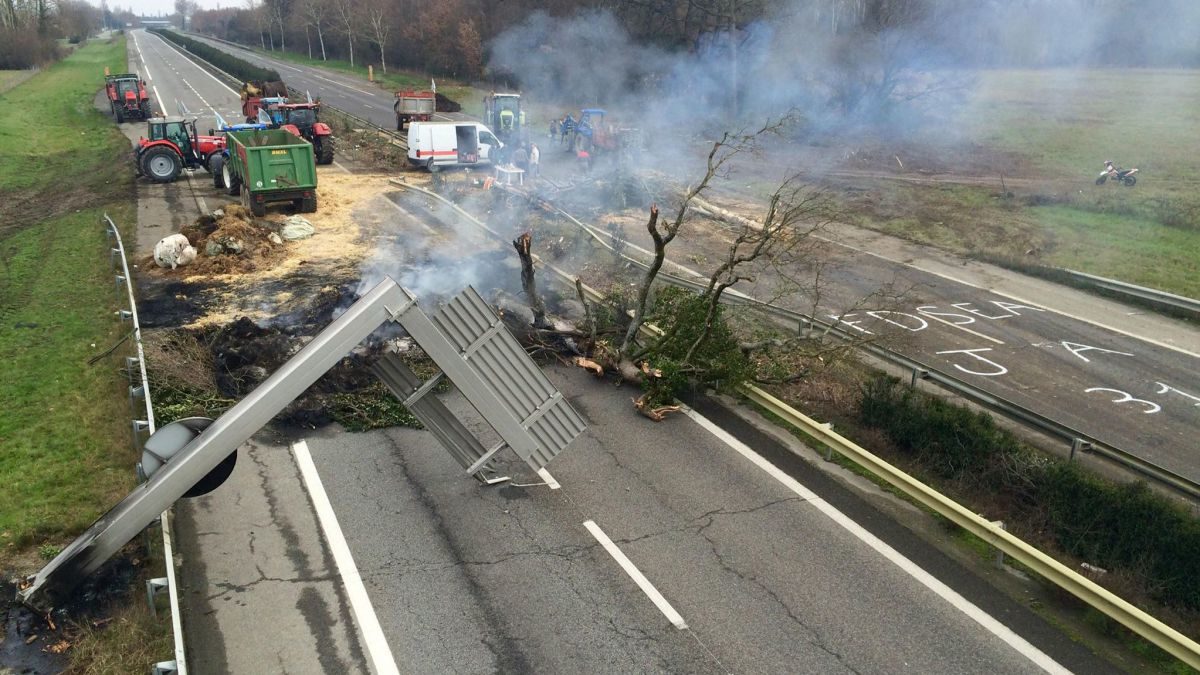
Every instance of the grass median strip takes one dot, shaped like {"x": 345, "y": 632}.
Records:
{"x": 64, "y": 424}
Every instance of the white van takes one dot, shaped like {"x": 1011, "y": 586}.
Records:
{"x": 434, "y": 145}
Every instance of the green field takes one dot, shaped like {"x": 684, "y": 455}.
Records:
{"x": 64, "y": 425}
{"x": 1049, "y": 132}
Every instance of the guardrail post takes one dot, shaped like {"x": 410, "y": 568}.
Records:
{"x": 155, "y": 588}
{"x": 1079, "y": 445}
{"x": 917, "y": 374}
{"x": 999, "y": 551}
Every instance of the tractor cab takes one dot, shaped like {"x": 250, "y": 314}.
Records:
{"x": 178, "y": 131}
{"x": 502, "y": 114}
{"x": 301, "y": 115}
{"x": 171, "y": 144}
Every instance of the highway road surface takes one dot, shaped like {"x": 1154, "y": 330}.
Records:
{"x": 694, "y": 545}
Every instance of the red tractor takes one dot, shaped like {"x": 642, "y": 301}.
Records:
{"x": 172, "y": 146}
{"x": 298, "y": 118}
{"x": 127, "y": 96}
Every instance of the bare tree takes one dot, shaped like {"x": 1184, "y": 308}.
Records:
{"x": 277, "y": 11}
{"x": 346, "y": 13}
{"x": 314, "y": 12}
{"x": 377, "y": 14}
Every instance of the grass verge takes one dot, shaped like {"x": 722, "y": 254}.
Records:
{"x": 63, "y": 422}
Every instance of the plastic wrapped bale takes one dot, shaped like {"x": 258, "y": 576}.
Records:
{"x": 174, "y": 251}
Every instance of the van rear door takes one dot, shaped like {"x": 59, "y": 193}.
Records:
{"x": 468, "y": 143}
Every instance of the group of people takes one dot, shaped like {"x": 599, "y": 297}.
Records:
{"x": 561, "y": 129}
{"x": 527, "y": 159}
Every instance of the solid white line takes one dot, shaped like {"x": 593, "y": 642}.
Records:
{"x": 548, "y": 478}
{"x": 1018, "y": 299}
{"x": 1037, "y": 656}
{"x": 396, "y": 206}
{"x": 146, "y": 68}
{"x": 339, "y": 165}
{"x": 377, "y": 647}
{"x": 158, "y": 97}
{"x": 637, "y": 576}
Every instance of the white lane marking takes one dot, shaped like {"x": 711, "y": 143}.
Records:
{"x": 339, "y": 165}
{"x": 377, "y": 647}
{"x": 1037, "y": 656}
{"x": 399, "y": 208}
{"x": 637, "y": 576}
{"x": 197, "y": 66}
{"x": 1021, "y": 300}
{"x": 960, "y": 327}
{"x": 550, "y": 479}
{"x": 146, "y": 68}
{"x": 361, "y": 91}
{"x": 206, "y": 103}
{"x": 159, "y": 98}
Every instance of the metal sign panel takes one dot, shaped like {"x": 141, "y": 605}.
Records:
{"x": 524, "y": 391}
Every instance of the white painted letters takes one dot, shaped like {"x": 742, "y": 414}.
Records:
{"x": 1075, "y": 348}
{"x": 999, "y": 369}
{"x": 922, "y": 324}
{"x": 1127, "y": 398}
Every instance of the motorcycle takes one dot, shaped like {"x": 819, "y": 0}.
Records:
{"x": 1125, "y": 176}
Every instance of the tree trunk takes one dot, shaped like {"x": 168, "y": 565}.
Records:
{"x": 528, "y": 282}
{"x": 660, "y": 253}
{"x": 382, "y": 60}
{"x": 308, "y": 40}
{"x": 282, "y": 39}
{"x": 350, "y": 39}
{"x": 262, "y": 40}
{"x": 321, "y": 39}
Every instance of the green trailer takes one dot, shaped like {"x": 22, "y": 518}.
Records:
{"x": 268, "y": 166}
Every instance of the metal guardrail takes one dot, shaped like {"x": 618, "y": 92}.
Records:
{"x": 1077, "y": 440}
{"x": 1167, "y": 638}
{"x": 1177, "y": 303}
{"x": 920, "y": 371}
{"x": 1141, "y": 623}
{"x": 139, "y": 388}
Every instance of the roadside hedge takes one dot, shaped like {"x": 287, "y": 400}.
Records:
{"x": 1121, "y": 527}
{"x": 225, "y": 61}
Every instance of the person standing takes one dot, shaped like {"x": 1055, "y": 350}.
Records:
{"x": 520, "y": 158}
{"x": 535, "y": 156}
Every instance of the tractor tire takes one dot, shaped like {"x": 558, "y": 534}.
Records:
{"x": 1129, "y": 181}
{"x": 231, "y": 182}
{"x": 120, "y": 113}
{"x": 308, "y": 204}
{"x": 161, "y": 164}
{"x": 257, "y": 208}
{"x": 218, "y": 163}
{"x": 324, "y": 148}
{"x": 145, "y": 110}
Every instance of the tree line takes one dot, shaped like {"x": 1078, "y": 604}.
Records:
{"x": 452, "y": 36}
{"x": 30, "y": 29}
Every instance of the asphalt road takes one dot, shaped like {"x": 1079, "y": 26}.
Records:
{"x": 1106, "y": 373}
{"x": 765, "y": 576}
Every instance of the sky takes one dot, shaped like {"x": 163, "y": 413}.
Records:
{"x": 163, "y": 7}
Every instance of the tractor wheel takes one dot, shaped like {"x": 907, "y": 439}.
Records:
{"x": 120, "y": 113}
{"x": 257, "y": 208}
{"x": 308, "y": 204}
{"x": 229, "y": 181}
{"x": 218, "y": 164}
{"x": 161, "y": 164}
{"x": 324, "y": 150}
{"x": 145, "y": 110}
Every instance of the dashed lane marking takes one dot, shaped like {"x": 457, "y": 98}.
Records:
{"x": 638, "y": 578}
